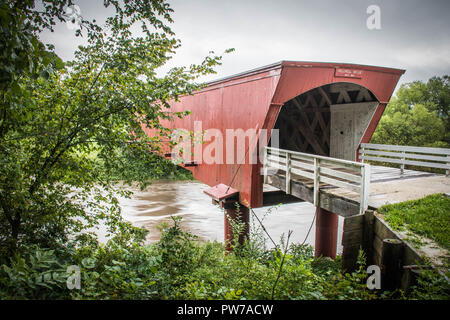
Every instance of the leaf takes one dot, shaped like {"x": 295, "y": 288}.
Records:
{"x": 88, "y": 263}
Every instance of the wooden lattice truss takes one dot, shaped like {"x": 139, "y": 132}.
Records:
{"x": 304, "y": 121}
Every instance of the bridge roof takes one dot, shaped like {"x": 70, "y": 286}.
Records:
{"x": 290, "y": 63}
{"x": 253, "y": 99}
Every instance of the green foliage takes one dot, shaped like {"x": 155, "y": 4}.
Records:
{"x": 116, "y": 272}
{"x": 179, "y": 267}
{"x": 179, "y": 256}
{"x": 431, "y": 285}
{"x": 418, "y": 115}
{"x": 69, "y": 130}
{"x": 428, "y": 217}
{"x": 209, "y": 273}
{"x": 36, "y": 274}
{"x": 143, "y": 167}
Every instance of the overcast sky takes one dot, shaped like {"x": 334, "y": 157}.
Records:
{"x": 414, "y": 34}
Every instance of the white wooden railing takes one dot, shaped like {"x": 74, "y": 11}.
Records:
{"x": 406, "y": 155}
{"x": 323, "y": 171}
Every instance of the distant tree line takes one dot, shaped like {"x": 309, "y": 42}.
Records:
{"x": 418, "y": 115}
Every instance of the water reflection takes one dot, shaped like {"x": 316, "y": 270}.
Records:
{"x": 166, "y": 198}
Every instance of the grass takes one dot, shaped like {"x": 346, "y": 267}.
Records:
{"x": 428, "y": 217}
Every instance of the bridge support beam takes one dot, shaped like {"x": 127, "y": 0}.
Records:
{"x": 326, "y": 233}
{"x": 235, "y": 215}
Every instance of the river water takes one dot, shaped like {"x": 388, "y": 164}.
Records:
{"x": 166, "y": 198}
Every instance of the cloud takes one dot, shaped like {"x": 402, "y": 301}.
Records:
{"x": 414, "y": 34}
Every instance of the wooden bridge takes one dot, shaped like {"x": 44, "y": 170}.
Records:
{"x": 323, "y": 116}
{"x": 349, "y": 188}
{"x": 344, "y": 187}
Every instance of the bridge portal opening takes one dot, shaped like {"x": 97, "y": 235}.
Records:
{"x": 329, "y": 120}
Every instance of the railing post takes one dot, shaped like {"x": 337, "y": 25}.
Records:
{"x": 316, "y": 182}
{"x": 365, "y": 188}
{"x": 361, "y": 154}
{"x": 448, "y": 163}
{"x": 265, "y": 165}
{"x": 402, "y": 166}
{"x": 288, "y": 173}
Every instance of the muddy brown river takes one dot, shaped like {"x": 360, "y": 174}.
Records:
{"x": 166, "y": 198}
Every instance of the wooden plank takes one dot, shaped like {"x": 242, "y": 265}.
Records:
{"x": 377, "y": 249}
{"x": 302, "y": 157}
{"x": 316, "y": 183}
{"x": 342, "y": 163}
{"x": 325, "y": 96}
{"x": 365, "y": 187}
{"x": 320, "y": 109}
{"x": 280, "y": 160}
{"x": 309, "y": 175}
{"x": 353, "y": 223}
{"x": 303, "y": 165}
{"x": 280, "y": 166}
{"x": 274, "y": 155}
{"x": 340, "y": 174}
{"x": 363, "y": 94}
{"x": 340, "y": 184}
{"x": 320, "y": 119}
{"x": 368, "y": 235}
{"x": 409, "y": 162}
{"x": 353, "y": 237}
{"x": 442, "y": 151}
{"x": 276, "y": 152}
{"x": 265, "y": 165}
{"x": 391, "y": 264}
{"x": 382, "y": 230}
{"x": 327, "y": 201}
{"x": 221, "y": 192}
{"x": 376, "y": 258}
{"x": 350, "y": 252}
{"x": 404, "y": 155}
{"x": 312, "y": 139}
{"x": 411, "y": 256}
{"x": 338, "y": 87}
{"x": 350, "y": 258}
{"x": 356, "y": 171}
{"x": 343, "y": 97}
{"x": 307, "y": 132}
{"x": 338, "y": 205}
{"x": 288, "y": 173}
{"x": 298, "y": 190}
{"x": 352, "y": 164}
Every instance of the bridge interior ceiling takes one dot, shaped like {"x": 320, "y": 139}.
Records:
{"x": 304, "y": 122}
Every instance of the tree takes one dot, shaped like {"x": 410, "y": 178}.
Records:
{"x": 418, "y": 115}
{"x": 65, "y": 126}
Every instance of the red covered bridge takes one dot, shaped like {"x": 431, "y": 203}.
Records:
{"x": 321, "y": 109}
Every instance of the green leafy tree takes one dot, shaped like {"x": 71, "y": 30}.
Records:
{"x": 64, "y": 127}
{"x": 418, "y": 115}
